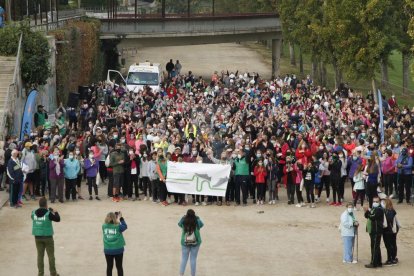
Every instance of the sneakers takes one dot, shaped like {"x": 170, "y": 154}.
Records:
{"x": 80, "y": 197}
{"x": 303, "y": 204}
{"x": 270, "y": 202}
{"x": 332, "y": 203}
{"x": 204, "y": 203}
{"x": 258, "y": 202}
{"x": 261, "y": 202}
{"x": 90, "y": 197}
{"x": 354, "y": 261}
{"x": 327, "y": 200}
{"x": 145, "y": 198}
{"x": 150, "y": 198}
{"x": 227, "y": 203}
{"x": 219, "y": 203}
{"x": 113, "y": 199}
{"x": 164, "y": 203}
{"x": 298, "y": 205}
{"x": 338, "y": 204}
{"x": 197, "y": 203}
{"x": 97, "y": 198}
{"x": 388, "y": 263}
{"x": 313, "y": 205}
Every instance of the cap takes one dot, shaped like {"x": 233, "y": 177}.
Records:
{"x": 27, "y": 145}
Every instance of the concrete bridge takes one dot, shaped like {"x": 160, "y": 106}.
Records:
{"x": 177, "y": 30}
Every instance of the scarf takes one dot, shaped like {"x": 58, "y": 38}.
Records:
{"x": 57, "y": 168}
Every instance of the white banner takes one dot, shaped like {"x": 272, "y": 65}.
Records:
{"x": 198, "y": 179}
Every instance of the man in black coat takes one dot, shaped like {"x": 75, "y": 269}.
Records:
{"x": 375, "y": 226}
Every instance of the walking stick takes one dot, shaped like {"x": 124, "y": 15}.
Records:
{"x": 356, "y": 234}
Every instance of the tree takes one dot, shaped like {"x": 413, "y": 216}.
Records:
{"x": 35, "y": 69}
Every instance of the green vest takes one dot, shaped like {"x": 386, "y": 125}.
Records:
{"x": 41, "y": 118}
{"x": 242, "y": 167}
{"x": 42, "y": 226}
{"x": 163, "y": 167}
{"x": 112, "y": 236}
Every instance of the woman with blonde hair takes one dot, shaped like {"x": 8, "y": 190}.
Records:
{"x": 113, "y": 241}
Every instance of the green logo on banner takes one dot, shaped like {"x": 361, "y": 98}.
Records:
{"x": 203, "y": 180}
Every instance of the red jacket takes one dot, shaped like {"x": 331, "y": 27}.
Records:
{"x": 305, "y": 156}
{"x": 260, "y": 173}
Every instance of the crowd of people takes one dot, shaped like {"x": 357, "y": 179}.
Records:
{"x": 286, "y": 132}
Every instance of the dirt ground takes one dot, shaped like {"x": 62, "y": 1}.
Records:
{"x": 284, "y": 240}
{"x": 201, "y": 59}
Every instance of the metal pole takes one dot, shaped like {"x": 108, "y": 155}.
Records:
{"x": 107, "y": 6}
{"x": 214, "y": 7}
{"x": 40, "y": 10}
{"x": 35, "y": 11}
{"x": 136, "y": 7}
{"x": 188, "y": 8}
{"x": 47, "y": 17}
{"x": 51, "y": 9}
{"x": 163, "y": 9}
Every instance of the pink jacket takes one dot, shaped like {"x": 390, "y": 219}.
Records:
{"x": 299, "y": 174}
{"x": 388, "y": 166}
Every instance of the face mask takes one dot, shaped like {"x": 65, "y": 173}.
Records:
{"x": 350, "y": 210}
{"x": 321, "y": 148}
{"x": 341, "y": 155}
{"x": 122, "y": 140}
{"x": 355, "y": 157}
{"x": 131, "y": 152}
{"x": 239, "y": 156}
{"x": 56, "y": 155}
{"x": 260, "y": 163}
{"x": 90, "y": 125}
{"x": 77, "y": 152}
{"x": 233, "y": 155}
{"x": 375, "y": 204}
{"x": 115, "y": 136}
{"x": 45, "y": 136}
{"x": 247, "y": 148}
{"x": 352, "y": 137}
{"x": 194, "y": 152}
{"x": 259, "y": 155}
{"x": 70, "y": 156}
{"x": 91, "y": 156}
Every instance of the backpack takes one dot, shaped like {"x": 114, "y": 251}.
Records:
{"x": 190, "y": 238}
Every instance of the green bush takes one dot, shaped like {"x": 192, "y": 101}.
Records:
{"x": 35, "y": 68}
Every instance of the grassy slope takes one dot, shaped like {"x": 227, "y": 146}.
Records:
{"x": 394, "y": 72}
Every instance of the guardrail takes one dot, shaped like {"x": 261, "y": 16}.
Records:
{"x": 51, "y": 26}
{"x": 9, "y": 103}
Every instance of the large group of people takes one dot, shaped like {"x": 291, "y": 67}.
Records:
{"x": 284, "y": 133}
{"x": 280, "y": 133}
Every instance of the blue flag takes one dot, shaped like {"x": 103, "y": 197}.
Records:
{"x": 29, "y": 110}
{"x": 381, "y": 114}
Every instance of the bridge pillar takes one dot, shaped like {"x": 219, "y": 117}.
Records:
{"x": 276, "y": 45}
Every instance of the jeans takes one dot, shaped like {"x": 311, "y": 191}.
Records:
{"x": 388, "y": 183}
{"x": 49, "y": 245}
{"x": 390, "y": 241}
{"x": 191, "y": 251}
{"x": 14, "y": 192}
{"x": 348, "y": 246}
{"x": 110, "y": 264}
{"x": 405, "y": 183}
{"x": 92, "y": 183}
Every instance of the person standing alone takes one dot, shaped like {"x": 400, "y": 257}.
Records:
{"x": 42, "y": 230}
{"x": 190, "y": 240}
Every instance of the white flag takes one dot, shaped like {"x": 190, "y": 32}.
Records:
{"x": 198, "y": 179}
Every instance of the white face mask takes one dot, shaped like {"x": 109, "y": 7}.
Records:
{"x": 70, "y": 156}
{"x": 350, "y": 210}
{"x": 234, "y": 155}
{"x": 239, "y": 156}
{"x": 91, "y": 156}
{"x": 375, "y": 204}
{"x": 131, "y": 152}
{"x": 77, "y": 152}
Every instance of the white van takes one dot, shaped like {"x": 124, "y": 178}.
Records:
{"x": 139, "y": 75}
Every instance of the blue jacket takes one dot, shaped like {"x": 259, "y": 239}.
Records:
{"x": 352, "y": 165}
{"x": 14, "y": 171}
{"x": 71, "y": 168}
{"x": 407, "y": 164}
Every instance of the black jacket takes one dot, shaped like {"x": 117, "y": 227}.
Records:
{"x": 52, "y": 216}
{"x": 376, "y": 216}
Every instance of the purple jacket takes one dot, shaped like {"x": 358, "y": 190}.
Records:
{"x": 52, "y": 169}
{"x": 352, "y": 165}
{"x": 91, "y": 170}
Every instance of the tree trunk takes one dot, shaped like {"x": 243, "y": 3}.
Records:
{"x": 300, "y": 60}
{"x": 374, "y": 90}
{"x": 322, "y": 72}
{"x": 338, "y": 75}
{"x": 282, "y": 52}
{"x": 292, "y": 54}
{"x": 406, "y": 70}
{"x": 314, "y": 70}
{"x": 384, "y": 74}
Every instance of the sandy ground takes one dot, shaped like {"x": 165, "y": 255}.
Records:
{"x": 284, "y": 240}
{"x": 201, "y": 59}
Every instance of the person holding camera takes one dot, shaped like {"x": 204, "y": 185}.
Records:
{"x": 349, "y": 229}
{"x": 42, "y": 229}
{"x": 190, "y": 240}
{"x": 114, "y": 241}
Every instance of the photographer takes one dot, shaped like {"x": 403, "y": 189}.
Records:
{"x": 42, "y": 229}
{"x": 113, "y": 241}
{"x": 349, "y": 228}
